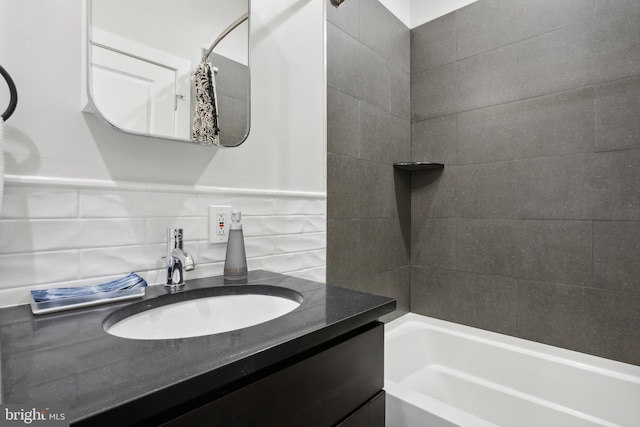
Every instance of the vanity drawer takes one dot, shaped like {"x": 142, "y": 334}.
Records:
{"x": 371, "y": 414}
{"x": 318, "y": 391}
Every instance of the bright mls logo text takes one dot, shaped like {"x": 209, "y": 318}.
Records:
{"x": 31, "y": 415}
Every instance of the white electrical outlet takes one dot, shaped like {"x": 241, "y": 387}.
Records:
{"x": 219, "y": 221}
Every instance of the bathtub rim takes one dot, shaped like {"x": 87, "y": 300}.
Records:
{"x": 406, "y": 402}
{"x": 615, "y": 368}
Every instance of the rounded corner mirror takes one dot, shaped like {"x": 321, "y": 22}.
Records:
{"x": 144, "y": 73}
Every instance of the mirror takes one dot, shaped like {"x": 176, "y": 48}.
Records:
{"x": 142, "y": 60}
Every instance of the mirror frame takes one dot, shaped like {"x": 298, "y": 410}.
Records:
{"x": 95, "y": 110}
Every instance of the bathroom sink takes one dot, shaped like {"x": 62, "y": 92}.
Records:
{"x": 204, "y": 315}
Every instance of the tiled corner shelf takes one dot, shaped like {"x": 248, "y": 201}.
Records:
{"x": 418, "y": 166}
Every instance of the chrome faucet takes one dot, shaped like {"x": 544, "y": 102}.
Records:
{"x": 178, "y": 260}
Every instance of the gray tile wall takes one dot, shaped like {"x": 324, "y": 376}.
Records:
{"x": 231, "y": 89}
{"x": 533, "y": 227}
{"x": 368, "y": 129}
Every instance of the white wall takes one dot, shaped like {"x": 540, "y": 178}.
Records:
{"x": 427, "y": 10}
{"x": 84, "y": 203}
{"x": 414, "y": 13}
{"x": 40, "y": 45}
{"x": 400, "y": 8}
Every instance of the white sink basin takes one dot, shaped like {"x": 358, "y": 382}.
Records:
{"x": 202, "y": 316}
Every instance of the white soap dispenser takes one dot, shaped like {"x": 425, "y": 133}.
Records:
{"x": 235, "y": 262}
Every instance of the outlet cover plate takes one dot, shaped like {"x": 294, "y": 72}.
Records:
{"x": 219, "y": 221}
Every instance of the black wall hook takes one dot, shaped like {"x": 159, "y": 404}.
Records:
{"x": 13, "y": 92}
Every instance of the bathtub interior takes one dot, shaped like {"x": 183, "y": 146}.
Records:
{"x": 468, "y": 376}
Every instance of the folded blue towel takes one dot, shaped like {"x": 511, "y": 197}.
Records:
{"x": 132, "y": 280}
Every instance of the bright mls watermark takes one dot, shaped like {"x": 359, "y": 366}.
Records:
{"x": 27, "y": 415}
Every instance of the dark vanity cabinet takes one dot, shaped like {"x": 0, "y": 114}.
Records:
{"x": 338, "y": 384}
{"x": 320, "y": 365}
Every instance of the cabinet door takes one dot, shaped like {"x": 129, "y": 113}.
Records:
{"x": 318, "y": 391}
{"x": 370, "y": 415}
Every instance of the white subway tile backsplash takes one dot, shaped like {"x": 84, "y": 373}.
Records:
{"x": 206, "y": 270}
{"x": 300, "y": 206}
{"x": 50, "y": 235}
{"x": 247, "y": 205}
{"x": 15, "y": 296}
{"x": 211, "y": 253}
{"x": 315, "y": 223}
{"x": 318, "y": 274}
{"x": 278, "y": 263}
{"x": 253, "y": 205}
{"x": 54, "y": 235}
{"x": 273, "y": 225}
{"x": 37, "y": 268}
{"x": 121, "y": 260}
{"x": 288, "y": 262}
{"x": 193, "y": 228}
{"x": 113, "y": 203}
{"x": 254, "y": 247}
{"x": 316, "y": 258}
{"x": 31, "y": 202}
{"x": 300, "y": 242}
{"x": 259, "y": 246}
{"x": 155, "y": 277}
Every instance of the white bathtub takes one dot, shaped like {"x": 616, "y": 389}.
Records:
{"x": 439, "y": 373}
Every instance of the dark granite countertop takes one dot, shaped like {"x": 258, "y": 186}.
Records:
{"x": 67, "y": 360}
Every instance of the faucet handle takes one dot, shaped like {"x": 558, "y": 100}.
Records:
{"x": 174, "y": 237}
